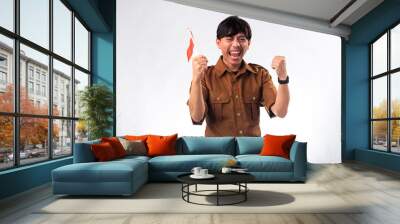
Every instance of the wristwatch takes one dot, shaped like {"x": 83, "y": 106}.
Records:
{"x": 286, "y": 81}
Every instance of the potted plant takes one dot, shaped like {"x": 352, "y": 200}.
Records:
{"x": 96, "y": 102}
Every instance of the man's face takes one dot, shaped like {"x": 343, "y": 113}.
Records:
{"x": 233, "y": 48}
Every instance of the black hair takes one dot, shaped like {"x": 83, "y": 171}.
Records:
{"x": 233, "y": 25}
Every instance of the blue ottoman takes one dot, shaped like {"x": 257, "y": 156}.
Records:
{"x": 118, "y": 177}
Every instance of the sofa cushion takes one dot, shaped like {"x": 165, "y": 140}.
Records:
{"x": 134, "y": 147}
{"x": 185, "y": 163}
{"x": 103, "y": 152}
{"x": 136, "y": 137}
{"x": 161, "y": 145}
{"x": 257, "y": 163}
{"x": 116, "y": 145}
{"x": 249, "y": 145}
{"x": 111, "y": 171}
{"x": 277, "y": 145}
{"x": 190, "y": 145}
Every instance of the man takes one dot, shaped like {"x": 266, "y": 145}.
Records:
{"x": 229, "y": 94}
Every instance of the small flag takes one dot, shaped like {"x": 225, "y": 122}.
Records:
{"x": 189, "y": 51}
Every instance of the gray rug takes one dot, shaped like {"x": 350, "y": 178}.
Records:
{"x": 166, "y": 198}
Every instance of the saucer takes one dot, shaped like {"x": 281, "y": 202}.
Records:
{"x": 208, "y": 176}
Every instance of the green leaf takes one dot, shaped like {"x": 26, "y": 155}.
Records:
{"x": 96, "y": 102}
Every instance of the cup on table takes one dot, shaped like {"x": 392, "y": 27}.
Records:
{"x": 203, "y": 172}
{"x": 226, "y": 170}
{"x": 196, "y": 171}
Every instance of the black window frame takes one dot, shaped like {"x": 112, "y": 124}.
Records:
{"x": 16, "y": 115}
{"x": 388, "y": 74}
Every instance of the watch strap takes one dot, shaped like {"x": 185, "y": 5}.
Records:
{"x": 286, "y": 81}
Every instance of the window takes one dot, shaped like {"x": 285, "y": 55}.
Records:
{"x": 62, "y": 137}
{"x": 62, "y": 29}
{"x": 43, "y": 77}
{"x": 3, "y": 61}
{"x": 81, "y": 81}
{"x": 395, "y": 47}
{"x": 385, "y": 92}
{"x": 7, "y": 14}
{"x": 34, "y": 21}
{"x": 6, "y": 91}
{"x": 3, "y": 72}
{"x": 38, "y": 89}
{"x": 37, "y": 74}
{"x": 30, "y": 87}
{"x": 3, "y": 78}
{"x": 33, "y": 148}
{"x": 62, "y": 75}
{"x": 44, "y": 91}
{"x": 6, "y": 142}
{"x": 30, "y": 72}
{"x": 81, "y": 45}
{"x": 44, "y": 131}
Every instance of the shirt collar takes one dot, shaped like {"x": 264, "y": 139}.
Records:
{"x": 220, "y": 67}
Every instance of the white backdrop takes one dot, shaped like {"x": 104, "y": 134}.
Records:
{"x": 153, "y": 75}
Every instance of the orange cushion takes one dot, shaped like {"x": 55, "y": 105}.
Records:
{"x": 136, "y": 137}
{"x": 161, "y": 145}
{"x": 103, "y": 152}
{"x": 116, "y": 145}
{"x": 277, "y": 145}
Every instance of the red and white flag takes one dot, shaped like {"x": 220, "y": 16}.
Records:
{"x": 190, "y": 49}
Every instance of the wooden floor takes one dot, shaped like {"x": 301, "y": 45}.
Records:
{"x": 377, "y": 188}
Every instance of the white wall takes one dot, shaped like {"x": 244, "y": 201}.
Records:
{"x": 153, "y": 75}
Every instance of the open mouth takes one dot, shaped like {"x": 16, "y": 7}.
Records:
{"x": 235, "y": 54}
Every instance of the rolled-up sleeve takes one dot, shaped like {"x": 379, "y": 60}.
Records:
{"x": 204, "y": 91}
{"x": 269, "y": 92}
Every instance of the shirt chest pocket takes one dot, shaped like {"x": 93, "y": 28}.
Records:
{"x": 219, "y": 106}
{"x": 251, "y": 106}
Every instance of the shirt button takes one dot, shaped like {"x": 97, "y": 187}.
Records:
{"x": 238, "y": 114}
{"x": 237, "y": 96}
{"x": 240, "y": 132}
{"x": 254, "y": 98}
{"x": 217, "y": 98}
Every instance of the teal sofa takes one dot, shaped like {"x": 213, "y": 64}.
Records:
{"x": 125, "y": 176}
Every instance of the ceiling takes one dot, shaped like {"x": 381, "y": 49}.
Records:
{"x": 327, "y": 16}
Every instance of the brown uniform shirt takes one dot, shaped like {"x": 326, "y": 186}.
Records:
{"x": 233, "y": 101}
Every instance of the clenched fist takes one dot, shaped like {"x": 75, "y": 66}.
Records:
{"x": 279, "y": 64}
{"x": 199, "y": 66}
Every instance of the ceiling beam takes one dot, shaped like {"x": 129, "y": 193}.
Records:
{"x": 346, "y": 12}
{"x": 268, "y": 15}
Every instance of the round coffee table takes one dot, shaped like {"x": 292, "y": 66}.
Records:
{"x": 238, "y": 179}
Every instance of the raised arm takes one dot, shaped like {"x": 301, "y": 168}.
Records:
{"x": 197, "y": 106}
{"x": 281, "y": 105}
